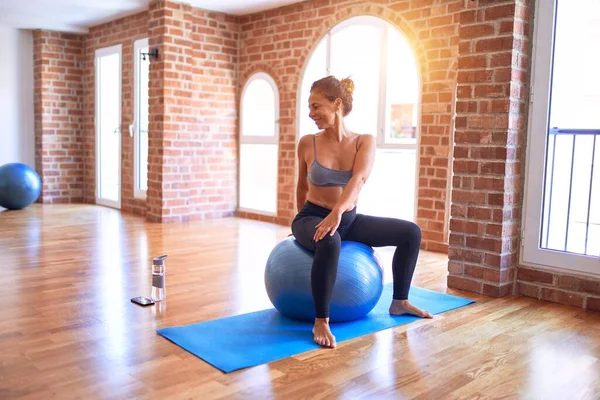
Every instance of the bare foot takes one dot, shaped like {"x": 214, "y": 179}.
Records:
{"x": 399, "y": 307}
{"x": 323, "y": 335}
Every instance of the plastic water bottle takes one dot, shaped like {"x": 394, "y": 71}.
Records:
{"x": 158, "y": 278}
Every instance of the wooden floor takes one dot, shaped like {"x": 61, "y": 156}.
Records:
{"x": 68, "y": 329}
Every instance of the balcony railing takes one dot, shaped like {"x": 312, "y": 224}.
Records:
{"x": 571, "y": 219}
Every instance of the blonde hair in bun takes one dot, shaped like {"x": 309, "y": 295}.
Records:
{"x": 348, "y": 85}
{"x": 333, "y": 88}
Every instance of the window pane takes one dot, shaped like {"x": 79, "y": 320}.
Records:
{"x": 402, "y": 90}
{"x": 571, "y": 223}
{"x": 570, "y": 219}
{"x": 258, "y": 177}
{"x": 355, "y": 53}
{"x": 316, "y": 68}
{"x": 575, "y": 101}
{"x": 558, "y": 200}
{"x": 593, "y": 235}
{"x": 390, "y": 190}
{"x": 108, "y": 69}
{"x": 258, "y": 109}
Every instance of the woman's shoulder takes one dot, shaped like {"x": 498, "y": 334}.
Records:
{"x": 365, "y": 138}
{"x": 309, "y": 137}
{"x": 305, "y": 142}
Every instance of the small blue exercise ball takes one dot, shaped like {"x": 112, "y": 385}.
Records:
{"x": 20, "y": 186}
{"x": 357, "y": 289}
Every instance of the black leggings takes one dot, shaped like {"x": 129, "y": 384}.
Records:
{"x": 372, "y": 231}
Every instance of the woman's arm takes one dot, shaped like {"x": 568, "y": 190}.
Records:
{"x": 302, "y": 186}
{"x": 360, "y": 173}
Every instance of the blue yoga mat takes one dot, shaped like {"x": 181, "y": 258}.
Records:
{"x": 259, "y": 337}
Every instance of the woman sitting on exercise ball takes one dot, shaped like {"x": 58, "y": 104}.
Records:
{"x": 334, "y": 164}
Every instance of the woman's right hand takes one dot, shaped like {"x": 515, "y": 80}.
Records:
{"x": 328, "y": 225}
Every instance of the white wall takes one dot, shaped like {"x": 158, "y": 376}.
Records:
{"x": 17, "y": 137}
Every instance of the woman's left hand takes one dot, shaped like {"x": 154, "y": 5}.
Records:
{"x": 328, "y": 225}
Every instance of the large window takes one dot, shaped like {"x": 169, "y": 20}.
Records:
{"x": 562, "y": 208}
{"x": 139, "y": 128}
{"x": 259, "y": 133}
{"x": 380, "y": 61}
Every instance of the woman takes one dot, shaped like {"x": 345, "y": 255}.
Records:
{"x": 334, "y": 164}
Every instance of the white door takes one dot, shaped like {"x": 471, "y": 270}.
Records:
{"x": 108, "y": 126}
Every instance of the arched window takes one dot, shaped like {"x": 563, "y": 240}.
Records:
{"x": 380, "y": 61}
{"x": 259, "y": 136}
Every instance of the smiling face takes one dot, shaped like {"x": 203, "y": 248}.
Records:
{"x": 322, "y": 110}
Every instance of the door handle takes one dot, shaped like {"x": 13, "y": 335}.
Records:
{"x": 117, "y": 130}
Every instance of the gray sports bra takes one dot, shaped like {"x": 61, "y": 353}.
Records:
{"x": 319, "y": 175}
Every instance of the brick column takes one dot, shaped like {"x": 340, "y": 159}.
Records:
{"x": 170, "y": 106}
{"x": 490, "y": 129}
{"x": 439, "y": 38}
{"x": 58, "y": 109}
{"x": 193, "y": 117}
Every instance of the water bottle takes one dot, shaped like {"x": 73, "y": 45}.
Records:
{"x": 158, "y": 278}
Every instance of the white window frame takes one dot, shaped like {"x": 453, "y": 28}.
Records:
{"x": 252, "y": 139}
{"x": 135, "y": 128}
{"x": 532, "y": 254}
{"x": 383, "y": 73}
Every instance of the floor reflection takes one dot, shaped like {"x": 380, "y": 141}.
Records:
{"x": 108, "y": 283}
{"x": 562, "y": 366}
{"x": 254, "y": 244}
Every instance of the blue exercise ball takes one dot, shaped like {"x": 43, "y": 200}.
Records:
{"x": 20, "y": 186}
{"x": 357, "y": 288}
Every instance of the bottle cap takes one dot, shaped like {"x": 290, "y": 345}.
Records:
{"x": 160, "y": 260}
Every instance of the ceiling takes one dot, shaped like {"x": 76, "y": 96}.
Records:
{"x": 79, "y": 15}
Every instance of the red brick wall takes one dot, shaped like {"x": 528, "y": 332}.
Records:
{"x": 490, "y": 131}
{"x": 193, "y": 125}
{"x": 58, "y": 109}
{"x": 192, "y": 160}
{"x": 124, "y": 31}
{"x": 279, "y": 41}
{"x": 559, "y": 288}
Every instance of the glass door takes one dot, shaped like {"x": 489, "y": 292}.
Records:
{"x": 108, "y": 126}
{"x": 562, "y": 215}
